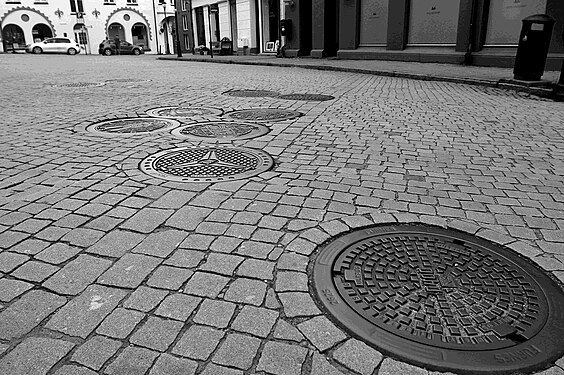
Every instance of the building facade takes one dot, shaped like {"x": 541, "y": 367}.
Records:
{"x": 480, "y": 32}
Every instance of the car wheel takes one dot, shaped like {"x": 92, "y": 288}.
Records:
{"x": 136, "y": 52}
{"x": 108, "y": 52}
{"x": 71, "y": 51}
{"x": 37, "y": 50}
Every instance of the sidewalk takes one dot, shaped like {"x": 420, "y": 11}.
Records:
{"x": 475, "y": 75}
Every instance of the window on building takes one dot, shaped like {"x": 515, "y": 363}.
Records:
{"x": 184, "y": 4}
{"x": 76, "y": 6}
{"x": 131, "y": 2}
{"x": 186, "y": 42}
{"x": 185, "y": 22}
{"x": 109, "y": 2}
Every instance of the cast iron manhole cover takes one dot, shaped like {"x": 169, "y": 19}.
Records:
{"x": 80, "y": 84}
{"x": 310, "y": 97}
{"x": 183, "y": 112}
{"x": 128, "y": 80}
{"x": 206, "y": 164}
{"x": 221, "y": 131}
{"x": 137, "y": 125}
{"x": 443, "y": 299}
{"x": 251, "y": 93}
{"x": 263, "y": 114}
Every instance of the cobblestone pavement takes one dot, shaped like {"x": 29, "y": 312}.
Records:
{"x": 104, "y": 269}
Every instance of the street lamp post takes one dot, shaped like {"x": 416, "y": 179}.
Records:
{"x": 178, "y": 24}
{"x": 165, "y": 26}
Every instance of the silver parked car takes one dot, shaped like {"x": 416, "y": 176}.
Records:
{"x": 54, "y": 45}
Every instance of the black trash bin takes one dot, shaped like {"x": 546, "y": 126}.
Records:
{"x": 533, "y": 47}
{"x": 226, "y": 47}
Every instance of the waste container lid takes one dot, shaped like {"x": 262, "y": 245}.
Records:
{"x": 539, "y": 18}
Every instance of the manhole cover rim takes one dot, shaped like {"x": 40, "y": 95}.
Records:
{"x": 306, "y": 97}
{"x": 78, "y": 84}
{"x": 259, "y": 131}
{"x": 533, "y": 354}
{"x": 289, "y": 114}
{"x": 154, "y": 112}
{"x": 92, "y": 128}
{"x": 252, "y": 93}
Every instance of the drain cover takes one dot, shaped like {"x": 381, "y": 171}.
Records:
{"x": 263, "y": 114}
{"x": 128, "y": 80}
{"x": 137, "y": 125}
{"x": 183, "y": 112}
{"x": 310, "y": 97}
{"x": 443, "y": 299}
{"x": 80, "y": 84}
{"x": 206, "y": 164}
{"x": 221, "y": 131}
{"x": 251, "y": 93}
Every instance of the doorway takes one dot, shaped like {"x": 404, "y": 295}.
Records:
{"x": 41, "y": 32}
{"x": 13, "y": 37}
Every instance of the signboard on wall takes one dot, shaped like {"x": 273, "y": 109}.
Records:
{"x": 433, "y": 22}
{"x": 504, "y": 22}
{"x": 373, "y": 22}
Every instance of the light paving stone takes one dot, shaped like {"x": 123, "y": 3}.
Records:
{"x": 156, "y": 333}
{"x": 247, "y": 291}
{"x": 321, "y": 333}
{"x": 178, "y": 306}
{"x": 282, "y": 359}
{"x": 291, "y": 281}
{"x": 185, "y": 258}
{"x": 258, "y": 269}
{"x": 57, "y": 253}
{"x": 301, "y": 246}
{"x": 211, "y": 199}
{"x": 73, "y": 370}
{"x": 358, "y": 356}
{"x": 96, "y": 351}
{"x": 286, "y": 331}
{"x": 205, "y": 284}
{"x": 30, "y": 247}
{"x": 255, "y": 320}
{"x": 76, "y": 275}
{"x": 116, "y": 243}
{"x": 166, "y": 277}
{"x": 84, "y": 313}
{"x": 224, "y": 264}
{"x": 145, "y": 299}
{"x": 120, "y": 323}
{"x": 213, "y": 369}
{"x": 215, "y": 313}
{"x": 392, "y": 367}
{"x": 129, "y": 271}
{"x": 161, "y": 244}
{"x": 147, "y": 220}
{"x": 26, "y": 313}
{"x": 320, "y": 366}
{"x": 82, "y": 237}
{"x": 551, "y": 371}
{"x": 237, "y": 351}
{"x": 225, "y": 244}
{"x": 10, "y": 289}
{"x": 197, "y": 241}
{"x": 171, "y": 365}
{"x": 188, "y": 217}
{"x": 174, "y": 199}
{"x": 34, "y": 271}
{"x": 132, "y": 361}
{"x": 253, "y": 249}
{"x": 298, "y": 304}
{"x": 198, "y": 342}
{"x": 34, "y": 356}
{"x": 271, "y": 301}
{"x": 292, "y": 262}
{"x": 9, "y": 261}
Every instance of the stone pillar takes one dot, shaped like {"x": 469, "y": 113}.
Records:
{"x": 349, "y": 14}
{"x": 301, "y": 41}
{"x": 318, "y": 31}
{"x": 398, "y": 18}
{"x": 466, "y": 26}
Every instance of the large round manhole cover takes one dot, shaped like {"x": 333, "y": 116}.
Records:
{"x": 80, "y": 84}
{"x": 184, "y": 112}
{"x": 443, "y": 299}
{"x": 137, "y": 125}
{"x": 263, "y": 114}
{"x": 251, "y": 93}
{"x": 221, "y": 131}
{"x": 307, "y": 97}
{"x": 206, "y": 164}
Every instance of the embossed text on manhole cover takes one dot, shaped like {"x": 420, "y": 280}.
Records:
{"x": 442, "y": 298}
{"x": 263, "y": 114}
{"x": 307, "y": 97}
{"x": 181, "y": 112}
{"x": 221, "y": 131}
{"x": 206, "y": 164}
{"x": 135, "y": 125}
{"x": 251, "y": 93}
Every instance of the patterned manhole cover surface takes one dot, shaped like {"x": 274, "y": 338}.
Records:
{"x": 442, "y": 298}
{"x": 311, "y": 97}
{"x": 183, "y": 112}
{"x": 128, "y": 80}
{"x": 80, "y": 84}
{"x": 136, "y": 125}
{"x": 221, "y": 131}
{"x": 206, "y": 164}
{"x": 251, "y": 93}
{"x": 263, "y": 114}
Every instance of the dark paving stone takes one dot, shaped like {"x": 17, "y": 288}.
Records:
{"x": 34, "y": 356}
{"x": 57, "y": 253}
{"x": 129, "y": 271}
{"x": 116, "y": 244}
{"x": 147, "y": 220}
{"x": 178, "y": 306}
{"x": 161, "y": 244}
{"x": 132, "y": 361}
{"x": 282, "y": 359}
{"x": 205, "y": 284}
{"x": 74, "y": 370}
{"x": 145, "y": 299}
{"x": 34, "y": 271}
{"x": 9, "y": 261}
{"x": 120, "y": 323}
{"x": 246, "y": 291}
{"x": 198, "y": 342}
{"x": 237, "y": 351}
{"x": 96, "y": 351}
{"x": 156, "y": 333}
{"x": 10, "y": 289}
{"x": 171, "y": 365}
{"x": 75, "y": 276}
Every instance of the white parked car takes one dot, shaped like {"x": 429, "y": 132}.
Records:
{"x": 54, "y": 45}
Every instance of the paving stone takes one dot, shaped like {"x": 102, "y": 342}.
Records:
{"x": 166, "y": 277}
{"x": 188, "y": 217}
{"x": 221, "y": 263}
{"x": 271, "y": 302}
{"x": 10, "y": 289}
{"x": 161, "y": 244}
{"x": 211, "y": 199}
{"x": 147, "y": 220}
{"x": 9, "y": 261}
{"x": 358, "y": 356}
{"x": 320, "y": 366}
{"x": 282, "y": 359}
{"x": 553, "y": 235}
{"x": 552, "y": 371}
{"x": 75, "y": 276}
{"x": 255, "y": 320}
{"x": 246, "y": 291}
{"x": 156, "y": 333}
{"x": 52, "y": 233}
{"x": 291, "y": 281}
{"x": 145, "y": 299}
{"x": 132, "y": 361}
{"x": 3, "y": 348}
{"x": 292, "y": 262}
{"x": 9, "y": 238}
{"x": 198, "y": 342}
{"x": 240, "y": 231}
{"x": 30, "y": 247}
{"x": 171, "y": 365}
{"x": 120, "y": 323}
{"x": 255, "y": 268}
{"x": 286, "y": 331}
{"x": 225, "y": 244}
{"x": 215, "y": 313}
{"x": 392, "y": 367}
{"x": 301, "y": 246}
{"x": 104, "y": 223}
{"x": 84, "y": 313}
{"x": 34, "y": 356}
{"x": 321, "y": 333}
{"x": 57, "y": 253}
{"x": 272, "y": 222}
{"x": 213, "y": 369}
{"x": 298, "y": 304}
{"x": 185, "y": 258}
{"x": 74, "y": 370}
{"x": 259, "y": 250}
{"x": 82, "y": 237}
{"x": 205, "y": 284}
{"x": 237, "y": 351}
{"x": 116, "y": 244}
{"x": 96, "y": 351}
{"x": 196, "y": 241}
{"x": 174, "y": 199}
{"x": 129, "y": 271}
{"x": 28, "y": 312}
{"x": 178, "y": 306}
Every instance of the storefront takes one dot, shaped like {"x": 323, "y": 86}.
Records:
{"x": 23, "y": 26}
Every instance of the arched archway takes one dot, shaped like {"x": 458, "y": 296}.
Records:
{"x": 13, "y": 37}
{"x": 40, "y": 32}
{"x": 116, "y": 29}
{"x": 139, "y": 33}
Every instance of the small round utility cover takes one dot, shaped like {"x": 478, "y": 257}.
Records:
{"x": 221, "y": 131}
{"x": 442, "y": 299}
{"x": 263, "y": 114}
{"x": 135, "y": 125}
{"x": 251, "y": 93}
{"x": 206, "y": 164}
{"x": 307, "y": 97}
{"x": 181, "y": 112}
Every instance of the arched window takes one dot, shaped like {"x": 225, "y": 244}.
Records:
{"x": 41, "y": 31}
